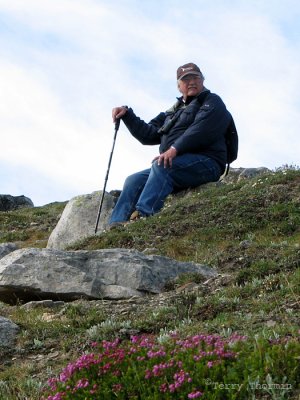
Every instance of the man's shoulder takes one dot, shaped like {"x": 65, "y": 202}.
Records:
{"x": 207, "y": 97}
{"x": 214, "y": 98}
{"x": 211, "y": 95}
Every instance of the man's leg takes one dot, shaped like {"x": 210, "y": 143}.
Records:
{"x": 188, "y": 170}
{"x": 126, "y": 203}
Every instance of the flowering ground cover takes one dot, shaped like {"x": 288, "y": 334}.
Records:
{"x": 199, "y": 366}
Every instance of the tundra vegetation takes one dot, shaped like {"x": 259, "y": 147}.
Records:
{"x": 235, "y": 336}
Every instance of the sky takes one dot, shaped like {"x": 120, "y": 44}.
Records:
{"x": 64, "y": 64}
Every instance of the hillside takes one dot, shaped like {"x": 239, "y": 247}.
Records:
{"x": 248, "y": 230}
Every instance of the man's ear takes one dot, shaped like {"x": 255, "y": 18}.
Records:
{"x": 178, "y": 87}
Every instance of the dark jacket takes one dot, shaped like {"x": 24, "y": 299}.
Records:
{"x": 198, "y": 127}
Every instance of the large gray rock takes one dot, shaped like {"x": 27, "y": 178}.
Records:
{"x": 36, "y": 274}
{"x": 6, "y": 248}
{"x": 78, "y": 219}
{"x": 8, "y": 202}
{"x": 8, "y": 332}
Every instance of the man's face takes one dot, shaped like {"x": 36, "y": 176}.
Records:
{"x": 190, "y": 85}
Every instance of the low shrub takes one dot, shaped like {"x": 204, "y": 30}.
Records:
{"x": 206, "y": 366}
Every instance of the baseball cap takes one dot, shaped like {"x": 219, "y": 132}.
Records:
{"x": 187, "y": 69}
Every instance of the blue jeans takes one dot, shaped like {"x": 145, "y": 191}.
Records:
{"x": 147, "y": 190}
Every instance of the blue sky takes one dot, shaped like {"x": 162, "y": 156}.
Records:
{"x": 64, "y": 64}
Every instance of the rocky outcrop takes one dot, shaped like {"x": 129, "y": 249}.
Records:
{"x": 36, "y": 274}
{"x": 8, "y": 202}
{"x": 238, "y": 174}
{"x": 8, "y": 332}
{"x": 78, "y": 219}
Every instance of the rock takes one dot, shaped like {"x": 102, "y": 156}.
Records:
{"x": 271, "y": 323}
{"x": 6, "y": 248}
{"x": 116, "y": 292}
{"x": 79, "y": 218}
{"x": 44, "y": 303}
{"x": 238, "y": 174}
{"x": 8, "y": 332}
{"x": 245, "y": 244}
{"x": 249, "y": 173}
{"x": 8, "y": 202}
{"x": 37, "y": 274}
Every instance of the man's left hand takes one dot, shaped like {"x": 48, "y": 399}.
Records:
{"x": 166, "y": 157}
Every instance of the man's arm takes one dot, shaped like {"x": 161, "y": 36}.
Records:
{"x": 146, "y": 133}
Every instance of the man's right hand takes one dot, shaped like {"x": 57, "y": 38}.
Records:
{"x": 118, "y": 112}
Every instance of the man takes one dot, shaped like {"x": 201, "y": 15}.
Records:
{"x": 191, "y": 135}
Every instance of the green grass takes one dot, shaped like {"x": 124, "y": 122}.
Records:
{"x": 30, "y": 227}
{"x": 249, "y": 231}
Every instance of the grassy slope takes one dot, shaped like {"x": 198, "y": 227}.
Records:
{"x": 249, "y": 231}
{"x": 30, "y": 227}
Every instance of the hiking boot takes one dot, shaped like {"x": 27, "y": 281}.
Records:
{"x": 115, "y": 225}
{"x": 135, "y": 215}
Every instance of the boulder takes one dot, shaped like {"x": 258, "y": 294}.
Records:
{"x": 79, "y": 218}
{"x": 37, "y": 274}
{"x": 8, "y": 332}
{"x": 8, "y": 202}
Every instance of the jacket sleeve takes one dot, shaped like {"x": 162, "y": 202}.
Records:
{"x": 208, "y": 127}
{"x": 146, "y": 133}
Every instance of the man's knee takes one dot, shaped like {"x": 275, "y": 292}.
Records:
{"x": 130, "y": 180}
{"x": 136, "y": 180}
{"x": 160, "y": 169}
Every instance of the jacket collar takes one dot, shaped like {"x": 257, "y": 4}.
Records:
{"x": 199, "y": 97}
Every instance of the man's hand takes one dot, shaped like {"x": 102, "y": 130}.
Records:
{"x": 166, "y": 157}
{"x": 118, "y": 113}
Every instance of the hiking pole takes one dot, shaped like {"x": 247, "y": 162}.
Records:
{"x": 117, "y": 124}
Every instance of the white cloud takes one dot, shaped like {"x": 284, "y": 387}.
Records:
{"x": 64, "y": 64}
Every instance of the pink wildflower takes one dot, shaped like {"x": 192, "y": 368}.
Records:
{"x": 94, "y": 389}
{"x": 82, "y": 383}
{"x": 145, "y": 342}
{"x": 110, "y": 345}
{"x": 194, "y": 395}
{"x": 117, "y": 387}
{"x": 117, "y": 372}
{"x": 105, "y": 368}
{"x": 134, "y": 339}
{"x": 235, "y": 337}
{"x": 57, "y": 396}
{"x": 163, "y": 388}
{"x": 159, "y": 353}
{"x": 132, "y": 350}
{"x": 83, "y": 362}
{"x": 156, "y": 370}
{"x": 52, "y": 383}
{"x": 172, "y": 387}
{"x": 148, "y": 374}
